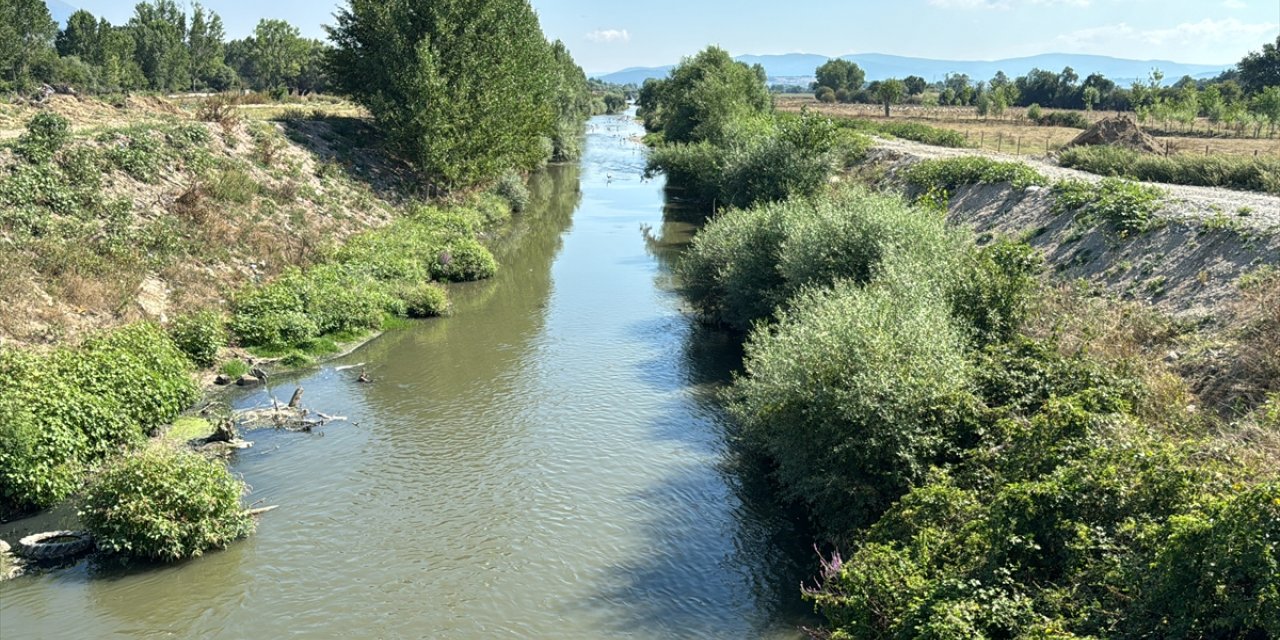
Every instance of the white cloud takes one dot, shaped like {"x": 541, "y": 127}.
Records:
{"x": 609, "y": 36}
{"x": 1235, "y": 4}
{"x": 1207, "y": 31}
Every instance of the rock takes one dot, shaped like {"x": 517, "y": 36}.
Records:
{"x": 247, "y": 380}
{"x": 222, "y": 380}
{"x": 153, "y": 299}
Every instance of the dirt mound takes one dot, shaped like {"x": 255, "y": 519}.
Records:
{"x": 1121, "y": 131}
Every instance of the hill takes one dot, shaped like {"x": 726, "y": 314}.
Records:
{"x": 796, "y": 67}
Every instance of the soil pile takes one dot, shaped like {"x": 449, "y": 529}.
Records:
{"x": 1121, "y": 131}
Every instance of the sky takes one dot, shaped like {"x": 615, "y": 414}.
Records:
{"x": 609, "y": 36}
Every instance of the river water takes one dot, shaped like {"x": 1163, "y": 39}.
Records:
{"x": 550, "y": 462}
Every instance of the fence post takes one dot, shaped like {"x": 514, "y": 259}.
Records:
{"x": 999, "y": 143}
{"x": 1019, "y": 145}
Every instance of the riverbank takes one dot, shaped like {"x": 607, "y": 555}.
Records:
{"x": 249, "y": 234}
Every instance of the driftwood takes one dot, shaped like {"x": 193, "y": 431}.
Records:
{"x": 262, "y": 510}
{"x": 296, "y": 401}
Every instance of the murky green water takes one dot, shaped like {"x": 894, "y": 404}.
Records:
{"x": 548, "y": 463}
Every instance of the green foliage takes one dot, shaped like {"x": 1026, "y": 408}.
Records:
{"x": 1034, "y": 113}
{"x": 945, "y": 175}
{"x": 26, "y": 38}
{"x": 907, "y": 131}
{"x": 840, "y": 75}
{"x": 1128, "y": 206}
{"x": 745, "y": 264}
{"x": 162, "y": 504}
{"x": 75, "y": 406}
{"x": 704, "y": 97}
{"x": 426, "y": 301}
{"x": 512, "y": 188}
{"x": 234, "y": 369}
{"x": 200, "y": 336}
{"x": 854, "y": 394}
{"x": 373, "y": 275}
{"x": 759, "y": 160}
{"x": 464, "y": 93}
{"x": 1070, "y": 119}
{"x": 47, "y": 133}
{"x": 994, "y": 288}
{"x": 1236, "y": 172}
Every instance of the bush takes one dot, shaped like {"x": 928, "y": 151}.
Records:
{"x": 46, "y": 134}
{"x": 300, "y": 306}
{"x": 854, "y": 394}
{"x": 1129, "y": 206}
{"x": 994, "y": 288}
{"x": 745, "y": 264}
{"x": 907, "y": 131}
{"x": 166, "y": 505}
{"x": 426, "y": 301}
{"x": 511, "y": 187}
{"x": 74, "y": 407}
{"x": 1070, "y": 119}
{"x": 1034, "y": 112}
{"x": 200, "y": 336}
{"x": 1235, "y": 172}
{"x": 948, "y": 174}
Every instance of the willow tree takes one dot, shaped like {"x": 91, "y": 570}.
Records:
{"x": 464, "y": 88}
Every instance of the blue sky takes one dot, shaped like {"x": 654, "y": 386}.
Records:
{"x": 608, "y": 36}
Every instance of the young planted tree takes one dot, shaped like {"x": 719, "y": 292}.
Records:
{"x": 463, "y": 87}
{"x": 889, "y": 93}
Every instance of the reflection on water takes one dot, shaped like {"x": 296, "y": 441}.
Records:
{"x": 549, "y": 462}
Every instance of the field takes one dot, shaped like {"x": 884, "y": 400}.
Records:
{"x": 1012, "y": 133}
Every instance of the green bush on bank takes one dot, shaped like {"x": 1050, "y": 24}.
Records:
{"x": 948, "y": 174}
{"x": 855, "y": 394}
{"x": 200, "y": 336}
{"x": 163, "y": 504}
{"x": 1128, "y": 206}
{"x": 745, "y": 264}
{"x": 1235, "y": 172}
{"x": 376, "y": 274}
{"x": 75, "y": 406}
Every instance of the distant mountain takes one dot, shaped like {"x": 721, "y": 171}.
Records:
{"x": 799, "y": 67}
{"x": 61, "y": 11}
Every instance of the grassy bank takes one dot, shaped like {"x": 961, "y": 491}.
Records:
{"x": 1247, "y": 173}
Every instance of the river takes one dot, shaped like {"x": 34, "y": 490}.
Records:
{"x": 549, "y": 462}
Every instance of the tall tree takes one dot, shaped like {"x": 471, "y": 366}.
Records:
{"x": 205, "y": 45}
{"x": 159, "y": 30}
{"x": 81, "y": 38}
{"x": 708, "y": 92}
{"x": 462, "y": 87}
{"x": 841, "y": 75}
{"x": 1261, "y": 69}
{"x": 278, "y": 53}
{"x": 27, "y": 31}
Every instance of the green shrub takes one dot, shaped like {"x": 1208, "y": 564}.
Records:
{"x": 1070, "y": 119}
{"x": 234, "y": 369}
{"x": 75, "y": 406}
{"x": 854, "y": 394}
{"x": 300, "y": 306}
{"x": 1235, "y": 172}
{"x": 1034, "y": 113}
{"x": 512, "y": 188}
{"x": 47, "y": 133}
{"x": 907, "y": 131}
{"x": 948, "y": 174}
{"x": 994, "y": 288}
{"x": 166, "y": 505}
{"x": 1128, "y": 206}
{"x": 200, "y": 336}
{"x": 426, "y": 301}
{"x": 464, "y": 260}
{"x": 745, "y": 264}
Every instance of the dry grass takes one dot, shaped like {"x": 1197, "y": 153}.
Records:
{"x": 1014, "y": 134}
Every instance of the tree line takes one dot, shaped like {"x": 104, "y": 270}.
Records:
{"x": 161, "y": 48}
{"x": 1250, "y": 92}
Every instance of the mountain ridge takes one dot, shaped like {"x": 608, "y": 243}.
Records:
{"x": 878, "y": 66}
